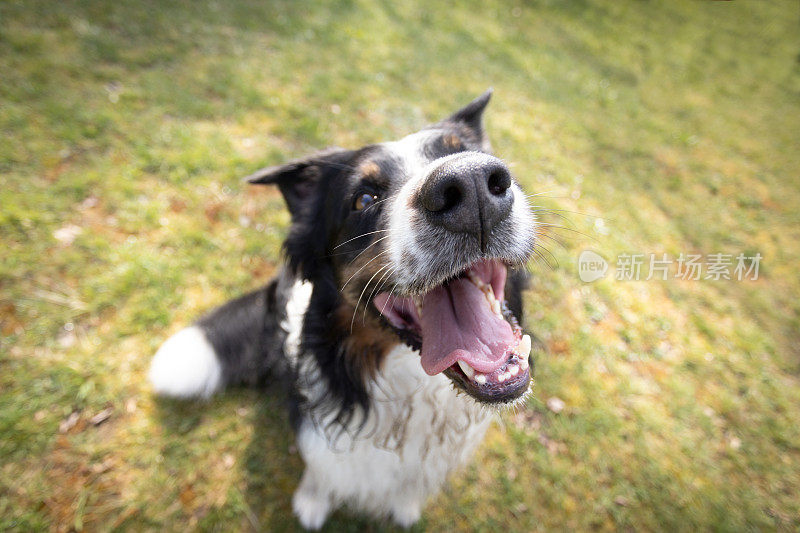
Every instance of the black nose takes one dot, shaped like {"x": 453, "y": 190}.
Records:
{"x": 470, "y": 193}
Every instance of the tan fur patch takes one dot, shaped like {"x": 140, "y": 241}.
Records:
{"x": 453, "y": 142}
{"x": 369, "y": 342}
{"x": 370, "y": 169}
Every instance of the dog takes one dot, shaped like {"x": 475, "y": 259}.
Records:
{"x": 395, "y": 321}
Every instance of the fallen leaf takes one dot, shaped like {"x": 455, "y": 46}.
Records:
{"x": 101, "y": 417}
{"x": 555, "y": 404}
{"x": 67, "y": 234}
{"x": 69, "y": 422}
{"x": 130, "y": 405}
{"x": 67, "y": 339}
{"x": 102, "y": 468}
{"x": 559, "y": 346}
{"x": 228, "y": 461}
{"x": 89, "y": 202}
{"x": 187, "y": 496}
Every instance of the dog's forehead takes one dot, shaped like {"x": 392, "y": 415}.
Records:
{"x": 414, "y": 152}
{"x": 410, "y": 151}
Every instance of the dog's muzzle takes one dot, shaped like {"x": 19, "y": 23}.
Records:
{"x": 470, "y": 194}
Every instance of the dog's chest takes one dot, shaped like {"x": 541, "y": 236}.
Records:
{"x": 421, "y": 414}
{"x": 419, "y": 429}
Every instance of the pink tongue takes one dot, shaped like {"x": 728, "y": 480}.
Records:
{"x": 457, "y": 323}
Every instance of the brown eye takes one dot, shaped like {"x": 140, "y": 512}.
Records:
{"x": 363, "y": 201}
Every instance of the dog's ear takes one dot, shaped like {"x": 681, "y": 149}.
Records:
{"x": 298, "y": 179}
{"x": 472, "y": 113}
{"x": 310, "y": 187}
{"x": 471, "y": 116}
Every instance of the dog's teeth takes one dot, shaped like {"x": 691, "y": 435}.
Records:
{"x": 523, "y": 363}
{"x": 524, "y": 348}
{"x": 468, "y": 370}
{"x": 478, "y": 282}
{"x": 513, "y": 370}
{"x": 480, "y": 379}
{"x": 496, "y": 307}
{"x": 502, "y": 377}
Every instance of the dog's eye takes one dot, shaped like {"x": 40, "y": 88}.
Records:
{"x": 363, "y": 201}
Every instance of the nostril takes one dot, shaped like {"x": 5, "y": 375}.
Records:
{"x": 498, "y": 183}
{"x": 443, "y": 194}
{"x": 452, "y": 197}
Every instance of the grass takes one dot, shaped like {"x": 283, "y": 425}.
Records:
{"x": 658, "y": 127}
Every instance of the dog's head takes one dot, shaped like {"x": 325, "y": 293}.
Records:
{"x": 417, "y": 240}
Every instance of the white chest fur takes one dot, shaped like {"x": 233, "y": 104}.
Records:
{"x": 419, "y": 429}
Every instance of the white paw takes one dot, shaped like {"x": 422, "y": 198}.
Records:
{"x": 186, "y": 366}
{"x": 407, "y": 515}
{"x": 310, "y": 509}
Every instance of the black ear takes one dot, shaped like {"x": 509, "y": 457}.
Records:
{"x": 298, "y": 179}
{"x": 472, "y": 113}
{"x": 471, "y": 116}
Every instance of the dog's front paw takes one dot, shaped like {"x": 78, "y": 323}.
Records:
{"x": 310, "y": 508}
{"x": 407, "y": 514}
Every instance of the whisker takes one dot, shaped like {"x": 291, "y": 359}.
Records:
{"x": 387, "y": 300}
{"x": 362, "y": 268}
{"x": 539, "y": 247}
{"x": 558, "y": 226}
{"x": 359, "y": 236}
{"x": 552, "y": 238}
{"x": 368, "y": 247}
{"x": 378, "y": 286}
{"x": 355, "y": 310}
{"x": 386, "y": 277}
{"x": 543, "y": 195}
{"x": 370, "y": 206}
{"x": 537, "y": 260}
{"x": 554, "y": 211}
{"x": 545, "y": 211}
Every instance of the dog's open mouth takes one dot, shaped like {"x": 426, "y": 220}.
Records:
{"x": 465, "y": 330}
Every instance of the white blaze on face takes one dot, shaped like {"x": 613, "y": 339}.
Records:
{"x": 404, "y": 220}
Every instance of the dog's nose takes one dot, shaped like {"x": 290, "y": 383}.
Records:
{"x": 469, "y": 193}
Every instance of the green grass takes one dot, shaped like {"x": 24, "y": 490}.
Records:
{"x": 677, "y": 123}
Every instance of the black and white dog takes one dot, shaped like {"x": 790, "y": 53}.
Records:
{"x": 395, "y": 318}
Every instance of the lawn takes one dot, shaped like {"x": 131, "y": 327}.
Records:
{"x": 644, "y": 127}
